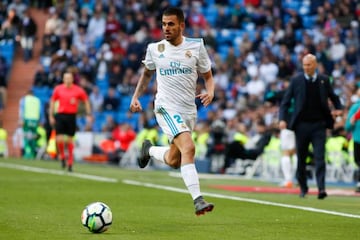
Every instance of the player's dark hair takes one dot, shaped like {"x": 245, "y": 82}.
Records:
{"x": 178, "y": 12}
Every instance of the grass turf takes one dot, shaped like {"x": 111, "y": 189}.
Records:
{"x": 48, "y": 206}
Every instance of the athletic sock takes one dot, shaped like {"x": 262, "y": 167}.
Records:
{"x": 60, "y": 147}
{"x": 294, "y": 161}
{"x": 191, "y": 179}
{"x": 158, "y": 153}
{"x": 70, "y": 152}
{"x": 286, "y": 168}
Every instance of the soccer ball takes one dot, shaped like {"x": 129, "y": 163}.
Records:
{"x": 97, "y": 217}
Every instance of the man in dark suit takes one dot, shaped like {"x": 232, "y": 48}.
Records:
{"x": 308, "y": 94}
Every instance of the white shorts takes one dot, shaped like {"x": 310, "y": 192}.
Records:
{"x": 287, "y": 139}
{"x": 173, "y": 123}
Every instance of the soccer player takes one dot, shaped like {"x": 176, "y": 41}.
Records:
{"x": 67, "y": 96}
{"x": 177, "y": 61}
{"x": 288, "y": 158}
{"x": 353, "y": 125}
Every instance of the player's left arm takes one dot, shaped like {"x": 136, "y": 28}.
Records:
{"x": 207, "y": 97}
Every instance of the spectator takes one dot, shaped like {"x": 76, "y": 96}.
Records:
{"x": 123, "y": 134}
{"x": 10, "y": 27}
{"x": 255, "y": 87}
{"x": 337, "y": 49}
{"x": 112, "y": 26}
{"x": 50, "y": 44}
{"x": 84, "y": 18}
{"x": 55, "y": 78}
{"x": 268, "y": 71}
{"x": 196, "y": 18}
{"x": 41, "y": 78}
{"x": 115, "y": 75}
{"x": 27, "y": 34}
{"x": 96, "y": 28}
{"x": 19, "y": 7}
{"x": 239, "y": 147}
{"x": 126, "y": 87}
{"x": 81, "y": 41}
{"x": 86, "y": 67}
{"x": 96, "y": 99}
{"x": 54, "y": 23}
{"x": 111, "y": 101}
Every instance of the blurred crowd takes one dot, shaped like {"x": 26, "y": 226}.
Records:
{"x": 255, "y": 46}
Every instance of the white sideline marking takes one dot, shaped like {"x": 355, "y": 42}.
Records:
{"x": 309, "y": 209}
{"x": 58, "y": 172}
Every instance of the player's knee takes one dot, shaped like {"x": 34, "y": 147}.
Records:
{"x": 188, "y": 150}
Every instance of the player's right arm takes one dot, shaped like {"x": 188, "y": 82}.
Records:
{"x": 52, "y": 107}
{"x": 135, "y": 105}
{"x": 51, "y": 113}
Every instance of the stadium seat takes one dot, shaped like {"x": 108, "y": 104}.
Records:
{"x": 103, "y": 86}
{"x": 7, "y": 50}
{"x": 308, "y": 21}
{"x": 145, "y": 100}
{"x": 125, "y": 103}
{"x": 99, "y": 120}
{"x": 43, "y": 93}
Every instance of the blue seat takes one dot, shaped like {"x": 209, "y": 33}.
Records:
{"x": 99, "y": 120}
{"x": 125, "y": 103}
{"x": 43, "y": 93}
{"x": 308, "y": 21}
{"x": 174, "y": 2}
{"x": 103, "y": 86}
{"x": 145, "y": 100}
{"x": 81, "y": 123}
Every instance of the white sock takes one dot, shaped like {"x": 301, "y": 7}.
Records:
{"x": 191, "y": 179}
{"x": 158, "y": 153}
{"x": 294, "y": 160}
{"x": 286, "y": 168}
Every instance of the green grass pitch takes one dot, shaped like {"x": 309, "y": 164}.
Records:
{"x": 39, "y": 201}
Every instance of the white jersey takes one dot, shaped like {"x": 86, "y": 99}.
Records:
{"x": 177, "y": 70}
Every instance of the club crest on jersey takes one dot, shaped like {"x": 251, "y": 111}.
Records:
{"x": 188, "y": 54}
{"x": 161, "y": 47}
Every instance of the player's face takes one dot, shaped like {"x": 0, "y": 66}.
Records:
{"x": 68, "y": 79}
{"x": 172, "y": 29}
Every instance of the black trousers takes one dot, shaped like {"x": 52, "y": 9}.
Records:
{"x": 314, "y": 133}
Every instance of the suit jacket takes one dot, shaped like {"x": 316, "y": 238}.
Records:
{"x": 297, "y": 92}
